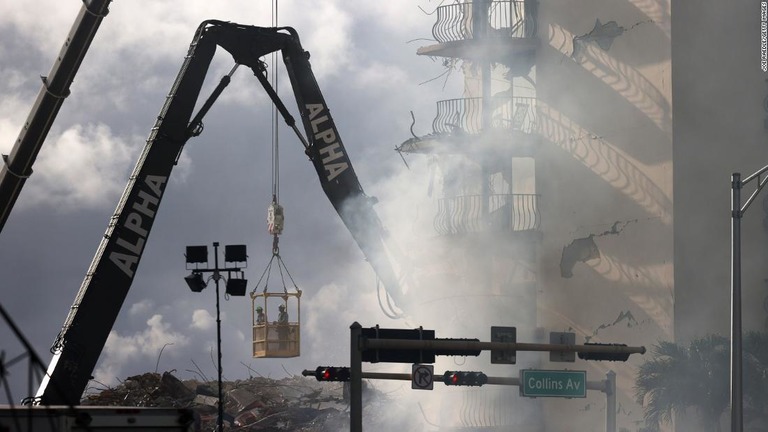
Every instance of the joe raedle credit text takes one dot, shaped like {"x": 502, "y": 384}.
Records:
{"x": 764, "y": 36}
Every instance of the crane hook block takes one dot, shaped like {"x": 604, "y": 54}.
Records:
{"x": 275, "y": 219}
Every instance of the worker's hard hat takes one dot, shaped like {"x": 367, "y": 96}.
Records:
{"x": 281, "y": 307}
{"x": 258, "y": 309}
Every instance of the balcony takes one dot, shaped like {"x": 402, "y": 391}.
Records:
{"x": 505, "y": 213}
{"x": 458, "y": 127}
{"x": 466, "y": 115}
{"x": 510, "y": 33}
{"x": 505, "y": 19}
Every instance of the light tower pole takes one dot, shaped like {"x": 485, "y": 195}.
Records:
{"x": 235, "y": 287}
{"x": 737, "y": 213}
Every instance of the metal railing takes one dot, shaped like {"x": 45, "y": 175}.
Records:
{"x": 505, "y": 213}
{"x": 507, "y": 19}
{"x": 466, "y": 115}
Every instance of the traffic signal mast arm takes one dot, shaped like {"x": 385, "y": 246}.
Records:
{"x": 491, "y": 380}
{"x": 443, "y": 345}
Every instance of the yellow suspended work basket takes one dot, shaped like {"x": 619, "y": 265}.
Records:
{"x": 273, "y": 337}
{"x": 276, "y": 316}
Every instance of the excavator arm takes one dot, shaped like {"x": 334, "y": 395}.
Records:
{"x": 17, "y": 166}
{"x": 105, "y": 287}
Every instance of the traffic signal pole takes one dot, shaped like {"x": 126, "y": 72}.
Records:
{"x": 356, "y": 378}
{"x": 610, "y": 395}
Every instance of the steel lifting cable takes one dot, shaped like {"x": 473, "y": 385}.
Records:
{"x": 275, "y": 117}
{"x": 275, "y": 215}
{"x": 268, "y": 271}
{"x": 275, "y": 141}
{"x": 281, "y": 265}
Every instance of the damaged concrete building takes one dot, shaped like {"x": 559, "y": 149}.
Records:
{"x": 557, "y": 169}
{"x": 554, "y": 190}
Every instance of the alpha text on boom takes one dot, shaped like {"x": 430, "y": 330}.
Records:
{"x": 333, "y": 150}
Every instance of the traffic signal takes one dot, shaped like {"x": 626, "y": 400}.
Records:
{"x": 458, "y": 352}
{"x": 451, "y": 378}
{"x": 607, "y": 356}
{"x": 416, "y": 355}
{"x": 398, "y": 355}
{"x": 332, "y": 373}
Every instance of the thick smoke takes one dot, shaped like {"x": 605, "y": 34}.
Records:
{"x": 603, "y": 119}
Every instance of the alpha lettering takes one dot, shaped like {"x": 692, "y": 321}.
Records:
{"x": 130, "y": 247}
{"x": 138, "y": 222}
{"x": 328, "y": 136}
{"x": 156, "y": 184}
{"x": 317, "y": 122}
{"x": 143, "y": 201}
{"x": 331, "y": 152}
{"x": 324, "y": 132}
{"x": 335, "y": 169}
{"x": 124, "y": 262}
{"x": 314, "y": 109}
{"x": 133, "y": 223}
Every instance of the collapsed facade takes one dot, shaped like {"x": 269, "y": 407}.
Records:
{"x": 552, "y": 193}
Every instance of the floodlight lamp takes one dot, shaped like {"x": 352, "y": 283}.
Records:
{"x": 197, "y": 254}
{"x": 195, "y": 281}
{"x": 235, "y": 253}
{"x": 236, "y": 287}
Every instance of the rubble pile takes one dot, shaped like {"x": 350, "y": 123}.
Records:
{"x": 257, "y": 404}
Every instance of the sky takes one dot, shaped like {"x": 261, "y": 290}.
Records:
{"x": 363, "y": 56}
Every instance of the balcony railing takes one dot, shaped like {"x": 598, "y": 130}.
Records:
{"x": 505, "y": 213}
{"x": 506, "y": 19}
{"x": 466, "y": 115}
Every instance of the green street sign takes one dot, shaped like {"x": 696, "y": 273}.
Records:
{"x": 553, "y": 383}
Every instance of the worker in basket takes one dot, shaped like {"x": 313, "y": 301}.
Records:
{"x": 261, "y": 319}
{"x": 282, "y": 327}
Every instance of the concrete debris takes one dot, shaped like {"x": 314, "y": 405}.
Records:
{"x": 256, "y": 404}
{"x": 602, "y": 34}
{"x": 625, "y": 315}
{"x": 580, "y": 250}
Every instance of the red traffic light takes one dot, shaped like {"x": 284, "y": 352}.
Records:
{"x": 464, "y": 378}
{"x": 332, "y": 373}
